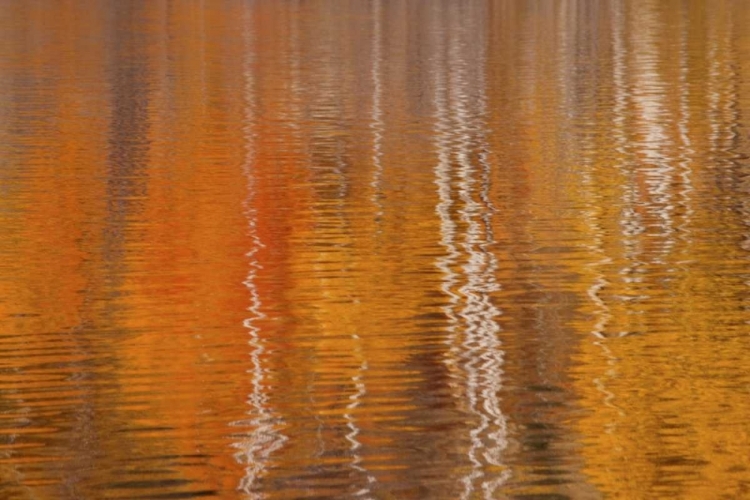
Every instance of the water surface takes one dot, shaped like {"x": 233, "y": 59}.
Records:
{"x": 380, "y": 249}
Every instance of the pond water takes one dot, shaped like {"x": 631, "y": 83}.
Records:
{"x": 385, "y": 249}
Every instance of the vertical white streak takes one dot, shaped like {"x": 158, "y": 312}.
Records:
{"x": 443, "y": 182}
{"x": 649, "y": 96}
{"x": 263, "y": 437}
{"x": 377, "y": 125}
{"x": 355, "y": 400}
{"x": 464, "y": 210}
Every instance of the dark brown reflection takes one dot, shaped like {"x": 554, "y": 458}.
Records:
{"x": 129, "y": 126}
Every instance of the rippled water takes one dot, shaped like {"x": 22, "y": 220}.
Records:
{"x": 452, "y": 249}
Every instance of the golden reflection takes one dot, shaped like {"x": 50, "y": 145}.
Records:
{"x": 658, "y": 287}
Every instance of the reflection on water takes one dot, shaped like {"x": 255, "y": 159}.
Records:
{"x": 263, "y": 439}
{"x": 448, "y": 249}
